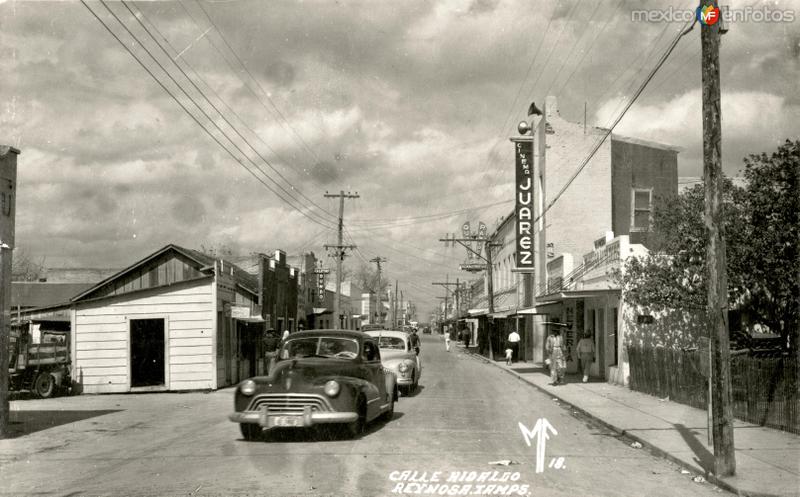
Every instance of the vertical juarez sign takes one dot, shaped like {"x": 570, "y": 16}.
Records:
{"x": 523, "y": 152}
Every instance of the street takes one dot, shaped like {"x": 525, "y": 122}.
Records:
{"x": 465, "y": 415}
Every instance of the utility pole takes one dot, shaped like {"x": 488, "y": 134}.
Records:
{"x": 717, "y": 310}
{"x": 8, "y": 189}
{"x": 490, "y": 291}
{"x": 487, "y": 266}
{"x": 339, "y": 254}
{"x": 446, "y": 284}
{"x": 378, "y": 260}
{"x": 402, "y": 311}
{"x": 394, "y": 307}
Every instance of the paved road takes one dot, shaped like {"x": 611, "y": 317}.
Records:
{"x": 465, "y": 415}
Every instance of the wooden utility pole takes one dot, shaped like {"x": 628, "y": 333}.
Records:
{"x": 394, "y": 306}
{"x": 490, "y": 292}
{"x": 8, "y": 190}
{"x": 378, "y": 260}
{"x": 488, "y": 245}
{"x": 339, "y": 254}
{"x": 717, "y": 310}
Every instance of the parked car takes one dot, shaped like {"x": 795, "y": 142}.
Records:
{"x": 320, "y": 377}
{"x": 426, "y": 330}
{"x": 399, "y": 357}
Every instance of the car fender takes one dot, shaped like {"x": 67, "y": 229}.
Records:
{"x": 368, "y": 390}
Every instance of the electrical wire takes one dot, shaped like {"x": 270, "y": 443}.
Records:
{"x": 183, "y": 106}
{"x": 264, "y": 92}
{"x": 222, "y": 115}
{"x": 607, "y": 133}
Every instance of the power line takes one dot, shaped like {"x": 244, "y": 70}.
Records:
{"x": 269, "y": 99}
{"x": 592, "y": 44}
{"x": 607, "y": 133}
{"x": 135, "y": 16}
{"x": 181, "y": 104}
{"x": 498, "y": 172}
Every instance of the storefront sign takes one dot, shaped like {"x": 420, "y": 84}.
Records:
{"x": 240, "y": 311}
{"x": 524, "y": 203}
{"x": 321, "y": 284}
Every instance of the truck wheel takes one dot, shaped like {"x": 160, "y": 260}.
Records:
{"x": 44, "y": 385}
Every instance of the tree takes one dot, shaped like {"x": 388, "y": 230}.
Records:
{"x": 761, "y": 231}
{"x": 24, "y": 268}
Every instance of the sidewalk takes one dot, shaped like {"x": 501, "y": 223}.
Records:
{"x": 767, "y": 460}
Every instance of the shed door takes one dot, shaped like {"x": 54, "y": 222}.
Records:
{"x": 147, "y": 352}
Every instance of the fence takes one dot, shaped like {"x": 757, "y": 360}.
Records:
{"x": 763, "y": 389}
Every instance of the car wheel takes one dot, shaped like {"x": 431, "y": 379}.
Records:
{"x": 44, "y": 385}
{"x": 250, "y": 431}
{"x": 356, "y": 427}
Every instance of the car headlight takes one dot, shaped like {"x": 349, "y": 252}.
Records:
{"x": 403, "y": 367}
{"x": 332, "y": 388}
{"x": 247, "y": 387}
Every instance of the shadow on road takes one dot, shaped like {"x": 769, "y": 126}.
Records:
{"x": 703, "y": 457}
{"x": 416, "y": 392}
{"x": 23, "y": 423}
{"x": 329, "y": 433}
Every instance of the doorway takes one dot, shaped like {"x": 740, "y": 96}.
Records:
{"x": 147, "y": 352}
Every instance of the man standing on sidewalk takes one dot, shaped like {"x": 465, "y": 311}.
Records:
{"x": 513, "y": 341}
{"x": 586, "y": 354}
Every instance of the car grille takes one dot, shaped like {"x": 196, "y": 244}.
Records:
{"x": 289, "y": 403}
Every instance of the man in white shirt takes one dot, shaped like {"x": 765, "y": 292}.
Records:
{"x": 513, "y": 341}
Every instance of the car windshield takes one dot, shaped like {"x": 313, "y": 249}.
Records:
{"x": 392, "y": 343}
{"x": 338, "y": 347}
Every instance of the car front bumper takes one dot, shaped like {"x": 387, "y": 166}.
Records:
{"x": 307, "y": 418}
{"x": 405, "y": 380}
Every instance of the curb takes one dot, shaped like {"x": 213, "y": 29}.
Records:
{"x": 710, "y": 477}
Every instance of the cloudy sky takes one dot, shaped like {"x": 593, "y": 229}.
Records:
{"x": 409, "y": 103}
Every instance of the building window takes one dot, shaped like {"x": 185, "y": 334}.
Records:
{"x": 641, "y": 209}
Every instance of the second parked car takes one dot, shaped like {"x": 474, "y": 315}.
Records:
{"x": 399, "y": 357}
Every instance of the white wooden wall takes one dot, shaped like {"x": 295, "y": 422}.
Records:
{"x": 102, "y": 337}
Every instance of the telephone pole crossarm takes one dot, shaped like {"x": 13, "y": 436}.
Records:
{"x": 340, "y": 254}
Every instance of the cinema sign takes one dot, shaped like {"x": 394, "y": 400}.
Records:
{"x": 523, "y": 152}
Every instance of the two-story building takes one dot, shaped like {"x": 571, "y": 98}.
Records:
{"x": 579, "y": 197}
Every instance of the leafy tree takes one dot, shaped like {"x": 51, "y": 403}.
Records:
{"x": 761, "y": 233}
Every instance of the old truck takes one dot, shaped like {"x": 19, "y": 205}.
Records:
{"x": 41, "y": 366}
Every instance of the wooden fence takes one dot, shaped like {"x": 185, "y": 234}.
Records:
{"x": 763, "y": 389}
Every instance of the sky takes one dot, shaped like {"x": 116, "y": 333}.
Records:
{"x": 255, "y": 109}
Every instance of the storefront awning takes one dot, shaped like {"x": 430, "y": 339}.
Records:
{"x": 478, "y": 312}
{"x": 503, "y": 314}
{"x": 321, "y": 310}
{"x": 251, "y": 319}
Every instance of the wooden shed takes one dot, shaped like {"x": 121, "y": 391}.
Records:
{"x": 176, "y": 320}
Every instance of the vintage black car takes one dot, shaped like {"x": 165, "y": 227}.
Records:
{"x": 321, "y": 377}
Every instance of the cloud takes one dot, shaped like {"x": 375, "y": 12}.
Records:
{"x": 752, "y": 122}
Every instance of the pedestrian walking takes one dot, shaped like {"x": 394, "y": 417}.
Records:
{"x": 557, "y": 356}
{"x": 586, "y": 354}
{"x": 413, "y": 340}
{"x": 447, "y": 340}
{"x": 509, "y": 355}
{"x": 467, "y": 338}
{"x": 513, "y": 342}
